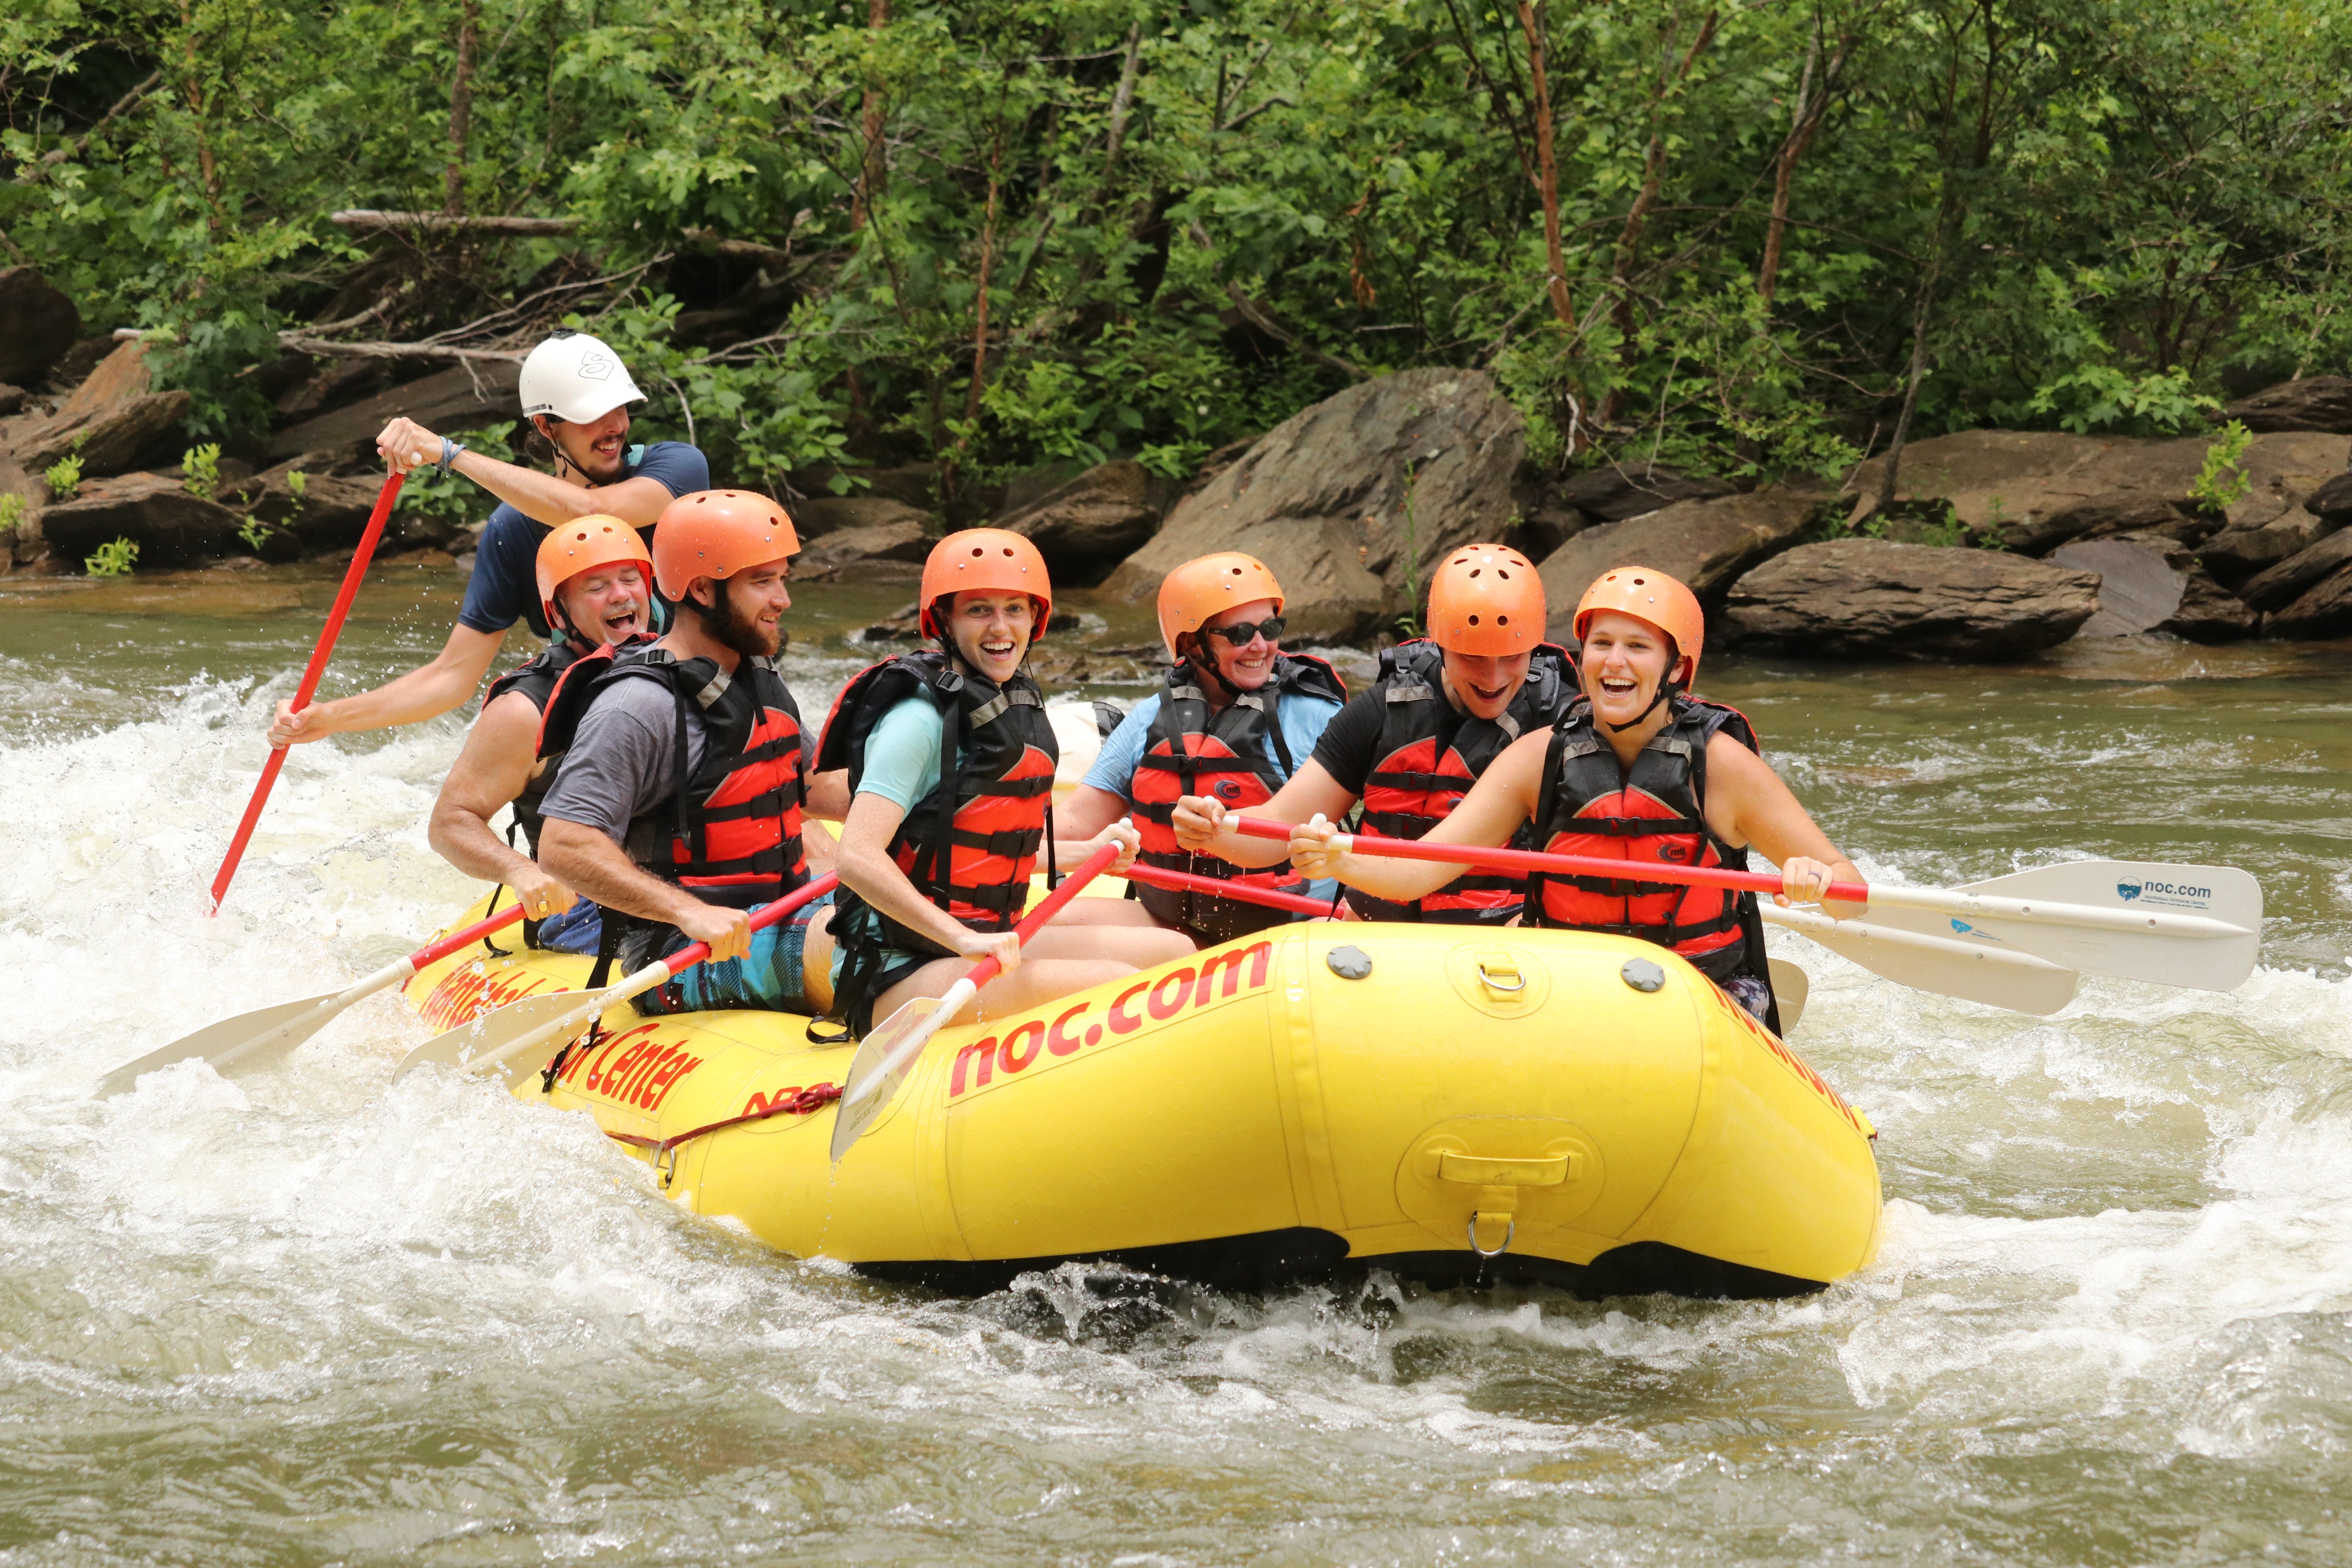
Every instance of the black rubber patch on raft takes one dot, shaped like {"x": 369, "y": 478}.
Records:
{"x": 1271, "y": 1260}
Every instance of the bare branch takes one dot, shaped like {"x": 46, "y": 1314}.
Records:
{"x": 366, "y": 218}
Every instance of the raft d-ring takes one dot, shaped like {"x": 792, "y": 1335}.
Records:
{"x": 1504, "y": 977}
{"x": 668, "y": 1172}
{"x": 1509, "y": 1230}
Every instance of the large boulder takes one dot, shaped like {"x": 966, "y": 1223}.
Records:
{"x": 1615, "y": 491}
{"x": 469, "y": 396}
{"x": 821, "y": 515}
{"x": 2235, "y": 556}
{"x": 2004, "y": 480}
{"x": 1706, "y": 543}
{"x": 2313, "y": 403}
{"x": 2101, "y": 517}
{"x": 2332, "y": 501}
{"x": 1330, "y": 497}
{"x": 171, "y": 527}
{"x": 37, "y": 325}
{"x": 2276, "y": 587}
{"x": 330, "y": 514}
{"x": 2324, "y": 610}
{"x": 2149, "y": 584}
{"x": 113, "y": 420}
{"x": 1086, "y": 526}
{"x": 1871, "y": 597}
{"x": 876, "y": 553}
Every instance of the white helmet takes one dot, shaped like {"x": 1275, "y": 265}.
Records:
{"x": 576, "y": 378}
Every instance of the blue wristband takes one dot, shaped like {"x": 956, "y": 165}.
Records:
{"x": 449, "y": 450}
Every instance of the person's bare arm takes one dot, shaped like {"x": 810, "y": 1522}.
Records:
{"x": 1504, "y": 796}
{"x": 586, "y": 858}
{"x": 405, "y": 445}
{"x": 425, "y": 692}
{"x": 1200, "y": 819}
{"x": 818, "y": 844}
{"x": 828, "y": 795}
{"x": 867, "y": 870}
{"x": 1088, "y": 812}
{"x": 1748, "y": 803}
{"x": 491, "y": 770}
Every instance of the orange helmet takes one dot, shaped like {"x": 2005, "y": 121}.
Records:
{"x": 1487, "y": 599}
{"x": 715, "y": 534}
{"x": 1648, "y": 594}
{"x": 986, "y": 560}
{"x": 1198, "y": 589}
{"x": 582, "y": 546}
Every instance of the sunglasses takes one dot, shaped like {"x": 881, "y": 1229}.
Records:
{"x": 1242, "y": 633}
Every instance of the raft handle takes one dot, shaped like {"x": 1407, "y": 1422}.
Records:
{"x": 1484, "y": 1171}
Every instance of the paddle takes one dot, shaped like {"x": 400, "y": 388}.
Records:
{"x": 1241, "y": 893}
{"x": 1998, "y": 977}
{"x": 267, "y": 1034}
{"x": 502, "y": 1037}
{"x": 2104, "y": 923}
{"x": 885, "y": 1052}
{"x": 316, "y": 668}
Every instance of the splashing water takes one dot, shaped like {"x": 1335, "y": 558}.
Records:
{"x": 304, "y": 1317}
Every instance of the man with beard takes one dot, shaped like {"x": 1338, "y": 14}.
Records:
{"x": 575, "y": 392}
{"x": 679, "y": 804}
{"x": 596, "y": 586}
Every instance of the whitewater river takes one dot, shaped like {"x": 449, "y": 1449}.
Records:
{"x": 302, "y": 1317}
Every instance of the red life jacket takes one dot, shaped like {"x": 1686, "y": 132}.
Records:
{"x": 1229, "y": 755}
{"x": 537, "y": 678}
{"x": 970, "y": 844}
{"x": 730, "y": 832}
{"x": 1429, "y": 754}
{"x": 1654, "y": 813}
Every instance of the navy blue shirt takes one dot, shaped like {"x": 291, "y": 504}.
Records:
{"x": 504, "y": 588}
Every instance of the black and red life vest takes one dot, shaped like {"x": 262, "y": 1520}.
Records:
{"x": 730, "y": 832}
{"x": 537, "y": 678}
{"x": 1653, "y": 812}
{"x": 1429, "y": 754}
{"x": 1229, "y": 755}
{"x": 970, "y": 844}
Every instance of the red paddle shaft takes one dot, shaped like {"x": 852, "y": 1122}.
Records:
{"x": 1055, "y": 902}
{"x": 318, "y": 667}
{"x": 434, "y": 953}
{"x": 1555, "y": 865}
{"x": 685, "y": 958}
{"x": 1239, "y": 892}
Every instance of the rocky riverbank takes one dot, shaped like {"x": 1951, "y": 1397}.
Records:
{"x": 1998, "y": 544}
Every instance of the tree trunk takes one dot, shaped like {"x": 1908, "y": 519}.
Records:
{"x": 1547, "y": 169}
{"x": 1124, "y": 99}
{"x": 1921, "y": 311}
{"x": 1784, "y": 174}
{"x": 987, "y": 261}
{"x": 1629, "y": 238}
{"x": 461, "y": 106}
{"x": 870, "y": 167}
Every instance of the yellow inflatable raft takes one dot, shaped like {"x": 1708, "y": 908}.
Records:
{"x": 1586, "y": 1111}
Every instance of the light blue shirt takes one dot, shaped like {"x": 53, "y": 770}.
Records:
{"x": 1303, "y": 719}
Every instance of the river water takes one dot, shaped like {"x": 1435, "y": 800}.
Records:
{"x": 304, "y": 1317}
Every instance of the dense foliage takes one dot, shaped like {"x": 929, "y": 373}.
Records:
{"x": 1001, "y": 231}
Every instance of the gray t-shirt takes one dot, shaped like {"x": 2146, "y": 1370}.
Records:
{"x": 623, "y": 757}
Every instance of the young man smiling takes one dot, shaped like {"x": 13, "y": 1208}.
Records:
{"x": 575, "y": 392}
{"x": 678, "y": 806}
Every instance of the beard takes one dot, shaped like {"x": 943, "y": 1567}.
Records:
{"x": 732, "y": 629}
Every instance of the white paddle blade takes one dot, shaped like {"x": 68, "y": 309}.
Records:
{"x": 247, "y": 1040}
{"x": 2126, "y": 887}
{"x": 1790, "y": 986}
{"x": 1998, "y": 977}
{"x": 502, "y": 1031}
{"x": 883, "y": 1058}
